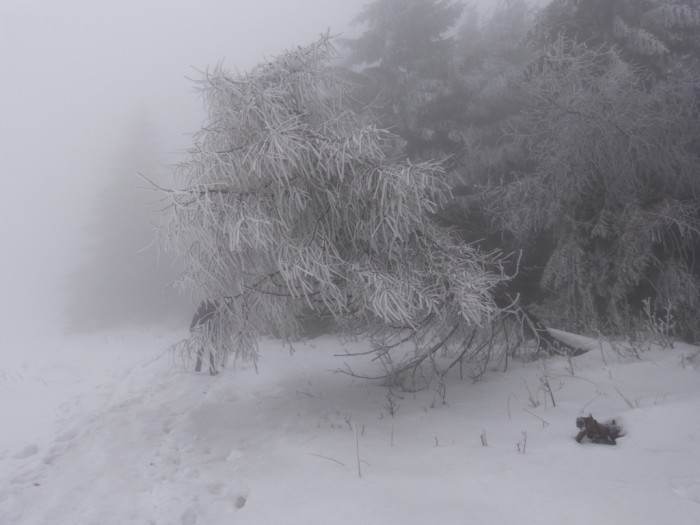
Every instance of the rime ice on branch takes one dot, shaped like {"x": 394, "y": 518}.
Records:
{"x": 291, "y": 202}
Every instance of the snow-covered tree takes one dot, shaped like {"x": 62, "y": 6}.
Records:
{"x": 489, "y": 60}
{"x": 647, "y": 32}
{"x": 450, "y": 82}
{"x": 406, "y": 54}
{"x": 605, "y": 197}
{"x": 290, "y": 202}
{"x": 614, "y": 187}
{"x": 485, "y": 103}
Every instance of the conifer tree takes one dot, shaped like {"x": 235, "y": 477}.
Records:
{"x": 648, "y": 32}
{"x": 491, "y": 54}
{"x": 612, "y": 138}
{"x": 490, "y": 58}
{"x": 613, "y": 187}
{"x": 406, "y": 53}
{"x": 290, "y": 202}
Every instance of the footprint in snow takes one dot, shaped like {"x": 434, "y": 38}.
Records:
{"x": 27, "y": 452}
{"x": 215, "y": 488}
{"x": 67, "y": 436}
{"x": 688, "y": 487}
{"x": 169, "y": 424}
{"x": 62, "y": 444}
{"x": 189, "y": 517}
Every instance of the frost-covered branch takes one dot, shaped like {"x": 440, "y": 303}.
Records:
{"x": 289, "y": 203}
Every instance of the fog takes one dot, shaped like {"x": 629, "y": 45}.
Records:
{"x": 75, "y": 73}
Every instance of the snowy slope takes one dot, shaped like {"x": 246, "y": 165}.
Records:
{"x": 110, "y": 429}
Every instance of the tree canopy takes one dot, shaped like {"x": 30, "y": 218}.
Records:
{"x": 614, "y": 185}
{"x": 290, "y": 203}
{"x": 406, "y": 57}
{"x": 567, "y": 135}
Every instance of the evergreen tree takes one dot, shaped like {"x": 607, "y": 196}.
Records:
{"x": 462, "y": 109}
{"x": 647, "y": 32}
{"x": 291, "y": 202}
{"x": 614, "y": 186}
{"x": 489, "y": 61}
{"x": 611, "y": 133}
{"x": 458, "y": 101}
{"x": 491, "y": 55}
{"x": 406, "y": 53}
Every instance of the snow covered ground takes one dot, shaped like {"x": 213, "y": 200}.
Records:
{"x": 110, "y": 429}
